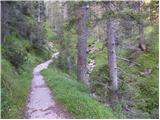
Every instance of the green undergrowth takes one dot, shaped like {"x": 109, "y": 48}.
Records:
{"x": 99, "y": 57}
{"x": 144, "y": 88}
{"x": 50, "y": 34}
{"x": 147, "y": 100}
{"x": 75, "y": 95}
{"x": 19, "y": 57}
{"x": 140, "y": 91}
{"x": 15, "y": 85}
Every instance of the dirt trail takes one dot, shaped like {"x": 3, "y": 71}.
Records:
{"x": 41, "y": 103}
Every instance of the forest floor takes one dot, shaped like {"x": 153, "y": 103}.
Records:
{"x": 41, "y": 103}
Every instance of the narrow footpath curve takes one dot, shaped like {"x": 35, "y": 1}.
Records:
{"x": 41, "y": 103}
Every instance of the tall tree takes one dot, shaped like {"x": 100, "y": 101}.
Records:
{"x": 82, "y": 43}
{"x": 111, "y": 50}
{"x": 141, "y": 28}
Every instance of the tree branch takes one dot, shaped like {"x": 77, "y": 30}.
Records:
{"x": 128, "y": 74}
{"x": 128, "y": 60}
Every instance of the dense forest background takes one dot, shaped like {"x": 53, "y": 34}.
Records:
{"x": 108, "y": 56}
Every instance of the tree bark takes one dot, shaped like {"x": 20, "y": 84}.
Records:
{"x": 112, "y": 55}
{"x": 141, "y": 30}
{"x": 65, "y": 11}
{"x": 82, "y": 43}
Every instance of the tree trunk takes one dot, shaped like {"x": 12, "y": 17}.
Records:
{"x": 82, "y": 43}
{"x": 141, "y": 30}
{"x": 112, "y": 55}
{"x": 69, "y": 64}
{"x": 65, "y": 11}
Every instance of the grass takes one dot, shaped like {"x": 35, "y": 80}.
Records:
{"x": 148, "y": 85}
{"x": 75, "y": 96}
{"x": 99, "y": 57}
{"x": 15, "y": 87}
{"x": 143, "y": 90}
{"x": 145, "y": 87}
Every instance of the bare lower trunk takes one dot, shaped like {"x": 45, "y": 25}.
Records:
{"x": 141, "y": 31}
{"x": 82, "y": 43}
{"x": 69, "y": 64}
{"x": 112, "y": 55}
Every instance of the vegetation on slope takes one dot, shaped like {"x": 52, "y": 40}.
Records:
{"x": 75, "y": 95}
{"x": 15, "y": 87}
{"x": 28, "y": 37}
{"x": 138, "y": 89}
{"x": 23, "y": 47}
{"x": 18, "y": 60}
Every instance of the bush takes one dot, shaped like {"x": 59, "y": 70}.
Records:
{"x": 99, "y": 82}
{"x": 15, "y": 50}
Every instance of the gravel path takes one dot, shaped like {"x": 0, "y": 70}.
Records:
{"x": 41, "y": 103}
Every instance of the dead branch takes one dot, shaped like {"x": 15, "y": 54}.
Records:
{"x": 128, "y": 61}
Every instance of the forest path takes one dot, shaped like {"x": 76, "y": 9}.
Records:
{"x": 41, "y": 103}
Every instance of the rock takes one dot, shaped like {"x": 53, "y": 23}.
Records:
{"x": 90, "y": 66}
{"x": 146, "y": 72}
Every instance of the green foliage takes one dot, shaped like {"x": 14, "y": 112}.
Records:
{"x": 140, "y": 93}
{"x": 100, "y": 57}
{"x": 75, "y": 96}
{"x": 23, "y": 47}
{"x": 17, "y": 64}
{"x": 66, "y": 46}
{"x": 99, "y": 82}
{"x": 15, "y": 49}
{"x": 126, "y": 13}
{"x": 30, "y": 22}
{"x": 49, "y": 32}
{"x": 71, "y": 25}
{"x": 151, "y": 35}
{"x": 90, "y": 40}
{"x": 148, "y": 85}
{"x": 14, "y": 89}
{"x": 143, "y": 89}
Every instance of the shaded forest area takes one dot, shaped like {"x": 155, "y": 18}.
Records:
{"x": 107, "y": 65}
